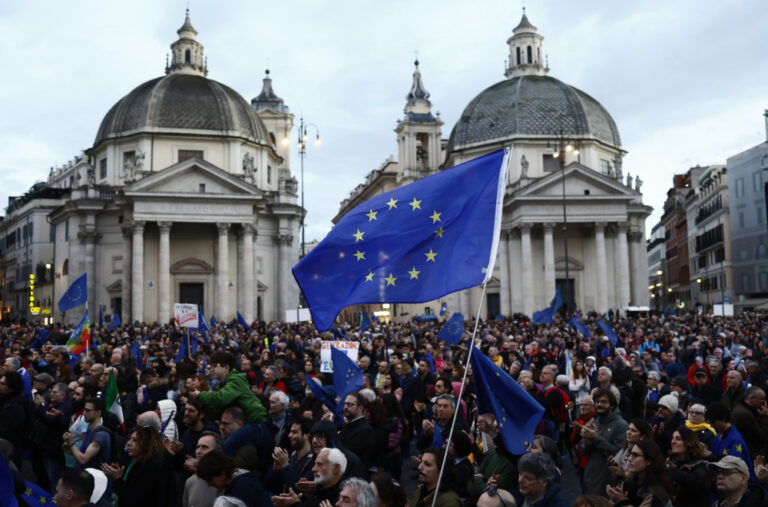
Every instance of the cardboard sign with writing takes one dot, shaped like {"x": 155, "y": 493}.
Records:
{"x": 185, "y": 315}
{"x": 350, "y": 348}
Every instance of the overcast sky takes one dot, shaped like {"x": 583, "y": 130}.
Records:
{"x": 685, "y": 81}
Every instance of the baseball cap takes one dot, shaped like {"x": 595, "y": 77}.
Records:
{"x": 732, "y": 463}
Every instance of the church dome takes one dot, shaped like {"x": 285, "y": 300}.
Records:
{"x": 181, "y": 101}
{"x": 532, "y": 105}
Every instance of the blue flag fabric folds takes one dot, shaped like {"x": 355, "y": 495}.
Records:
{"x": 6, "y": 485}
{"x": 42, "y": 335}
{"x": 76, "y": 294}
{"x": 116, "y": 322}
{"x": 517, "y": 413}
{"x": 453, "y": 329}
{"x": 136, "y": 353}
{"x": 413, "y": 244}
{"x": 321, "y": 394}
{"x": 202, "y": 326}
{"x": 547, "y": 315}
{"x": 35, "y": 496}
{"x": 183, "y": 350}
{"x": 374, "y": 318}
{"x": 241, "y": 320}
{"x": 608, "y": 332}
{"x": 437, "y": 438}
{"x": 347, "y": 376}
{"x": 213, "y": 321}
{"x": 101, "y": 317}
{"x": 26, "y": 378}
{"x": 338, "y": 334}
{"x": 365, "y": 322}
{"x": 579, "y": 325}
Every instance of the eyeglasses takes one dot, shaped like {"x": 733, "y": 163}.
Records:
{"x": 695, "y": 412}
{"x": 726, "y": 471}
{"x": 350, "y": 404}
{"x": 634, "y": 454}
{"x": 493, "y": 491}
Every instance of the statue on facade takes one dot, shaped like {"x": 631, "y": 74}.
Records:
{"x": 638, "y": 183}
{"x": 629, "y": 180}
{"x": 249, "y": 167}
{"x": 617, "y": 164}
{"x": 611, "y": 172}
{"x": 523, "y": 167}
{"x": 91, "y": 174}
{"x": 139, "y": 161}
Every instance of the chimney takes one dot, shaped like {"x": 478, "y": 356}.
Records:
{"x": 765, "y": 114}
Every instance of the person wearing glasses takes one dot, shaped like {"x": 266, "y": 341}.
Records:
{"x": 648, "y": 477}
{"x": 697, "y": 423}
{"x": 733, "y": 488}
{"x": 96, "y": 446}
{"x": 537, "y": 477}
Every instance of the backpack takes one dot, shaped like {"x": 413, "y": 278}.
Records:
{"x": 562, "y": 411}
{"x": 116, "y": 443}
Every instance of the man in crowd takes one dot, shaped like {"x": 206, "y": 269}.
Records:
{"x": 278, "y": 419}
{"x": 601, "y": 440}
{"x": 357, "y": 434}
{"x": 74, "y": 488}
{"x": 220, "y": 471}
{"x": 96, "y": 446}
{"x": 539, "y": 483}
{"x": 734, "y": 392}
{"x": 328, "y": 471}
{"x": 289, "y": 466}
{"x": 733, "y": 487}
{"x": 428, "y": 474}
{"x": 197, "y": 492}
{"x": 750, "y": 416}
{"x": 356, "y": 493}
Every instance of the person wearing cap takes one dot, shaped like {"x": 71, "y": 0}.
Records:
{"x": 667, "y": 419}
{"x": 750, "y": 416}
{"x": 702, "y": 391}
{"x": 733, "y": 488}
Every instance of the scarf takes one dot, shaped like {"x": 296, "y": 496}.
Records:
{"x": 699, "y": 427}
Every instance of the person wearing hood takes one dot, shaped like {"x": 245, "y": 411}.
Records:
{"x": 602, "y": 438}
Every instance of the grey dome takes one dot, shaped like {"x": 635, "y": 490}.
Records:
{"x": 182, "y": 101}
{"x": 532, "y": 105}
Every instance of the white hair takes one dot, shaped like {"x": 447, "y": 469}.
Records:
{"x": 368, "y": 394}
{"x": 365, "y": 495}
{"x": 228, "y": 501}
{"x": 606, "y": 370}
{"x": 281, "y": 397}
{"x": 336, "y": 457}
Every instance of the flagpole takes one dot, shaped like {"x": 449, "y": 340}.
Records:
{"x": 87, "y": 340}
{"x": 458, "y": 401}
{"x": 189, "y": 345}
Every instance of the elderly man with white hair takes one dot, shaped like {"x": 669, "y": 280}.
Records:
{"x": 356, "y": 493}
{"x": 330, "y": 466}
{"x": 278, "y": 418}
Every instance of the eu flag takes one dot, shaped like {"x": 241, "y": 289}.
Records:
{"x": 347, "y": 376}
{"x": 321, "y": 393}
{"x": 547, "y": 315}
{"x": 517, "y": 413}
{"x": 76, "y": 295}
{"x": 35, "y": 496}
{"x": 136, "y": 353}
{"x": 101, "y": 317}
{"x": 241, "y": 321}
{"x": 414, "y": 244}
{"x": 116, "y": 322}
{"x": 608, "y": 332}
{"x": 453, "y": 329}
{"x": 6, "y": 485}
{"x": 579, "y": 325}
{"x": 365, "y": 322}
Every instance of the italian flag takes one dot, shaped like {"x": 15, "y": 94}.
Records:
{"x": 112, "y": 399}
{"x": 81, "y": 336}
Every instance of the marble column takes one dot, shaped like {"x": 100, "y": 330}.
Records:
{"x": 88, "y": 239}
{"x": 247, "y": 281}
{"x": 284, "y": 242}
{"x": 529, "y": 297}
{"x": 601, "y": 263}
{"x": 164, "y": 273}
{"x": 125, "y": 310}
{"x": 622, "y": 282}
{"x": 505, "y": 278}
{"x": 137, "y": 276}
{"x": 549, "y": 261}
{"x": 639, "y": 276}
{"x": 222, "y": 273}
{"x": 513, "y": 247}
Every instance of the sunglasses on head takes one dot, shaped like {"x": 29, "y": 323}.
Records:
{"x": 494, "y": 491}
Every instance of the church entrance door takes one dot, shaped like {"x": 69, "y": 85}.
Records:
{"x": 191, "y": 293}
{"x": 568, "y": 293}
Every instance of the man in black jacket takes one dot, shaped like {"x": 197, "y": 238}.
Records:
{"x": 357, "y": 435}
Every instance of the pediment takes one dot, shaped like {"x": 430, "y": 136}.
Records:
{"x": 188, "y": 176}
{"x": 191, "y": 267}
{"x": 116, "y": 286}
{"x": 580, "y": 181}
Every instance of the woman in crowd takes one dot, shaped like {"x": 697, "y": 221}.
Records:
{"x": 687, "y": 466}
{"x": 638, "y": 429}
{"x": 648, "y": 477}
{"x": 579, "y": 382}
{"x": 697, "y": 423}
{"x": 142, "y": 481}
{"x": 398, "y": 434}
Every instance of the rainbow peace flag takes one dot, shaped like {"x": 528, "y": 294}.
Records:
{"x": 81, "y": 336}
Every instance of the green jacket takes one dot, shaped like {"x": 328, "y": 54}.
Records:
{"x": 494, "y": 463}
{"x": 444, "y": 499}
{"x": 235, "y": 390}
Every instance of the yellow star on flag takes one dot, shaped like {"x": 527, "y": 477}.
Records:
{"x": 28, "y": 492}
{"x": 369, "y": 277}
{"x": 439, "y": 232}
{"x": 42, "y": 499}
{"x": 390, "y": 280}
{"x": 415, "y": 204}
{"x": 371, "y": 215}
{"x": 414, "y": 274}
{"x": 392, "y": 203}
{"x": 431, "y": 255}
{"x": 358, "y": 236}
{"x": 360, "y": 255}
{"x": 738, "y": 448}
{"x": 435, "y": 217}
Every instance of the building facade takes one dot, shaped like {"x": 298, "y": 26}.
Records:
{"x": 657, "y": 266}
{"x": 184, "y": 196}
{"x": 572, "y": 217}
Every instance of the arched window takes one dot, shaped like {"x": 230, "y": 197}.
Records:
{"x": 187, "y": 57}
{"x": 530, "y": 54}
{"x": 518, "y": 55}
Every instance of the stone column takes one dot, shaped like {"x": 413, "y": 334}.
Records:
{"x": 284, "y": 242}
{"x": 247, "y": 281}
{"x": 222, "y": 273}
{"x": 622, "y": 283}
{"x": 529, "y": 297}
{"x": 513, "y": 247}
{"x": 88, "y": 239}
{"x": 125, "y": 313}
{"x": 639, "y": 275}
{"x": 600, "y": 266}
{"x": 504, "y": 299}
{"x": 549, "y": 261}
{"x": 137, "y": 277}
{"x": 164, "y": 273}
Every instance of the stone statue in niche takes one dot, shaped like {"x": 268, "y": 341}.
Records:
{"x": 617, "y": 164}
{"x": 91, "y": 173}
{"x": 629, "y": 180}
{"x": 611, "y": 172}
{"x": 291, "y": 186}
{"x": 249, "y": 167}
{"x": 139, "y": 161}
{"x": 638, "y": 183}
{"x": 523, "y": 167}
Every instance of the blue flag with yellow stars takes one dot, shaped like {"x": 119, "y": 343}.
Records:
{"x": 547, "y": 315}
{"x": 76, "y": 294}
{"x": 609, "y": 332}
{"x": 6, "y": 485}
{"x": 453, "y": 329}
{"x": 517, "y": 413}
{"x": 579, "y": 325}
{"x": 35, "y": 496}
{"x": 365, "y": 322}
{"x": 347, "y": 376}
{"x": 414, "y": 244}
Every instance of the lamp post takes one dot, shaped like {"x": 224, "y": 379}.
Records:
{"x": 562, "y": 149}
{"x": 302, "y": 145}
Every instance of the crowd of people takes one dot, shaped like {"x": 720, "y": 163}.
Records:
{"x": 671, "y": 411}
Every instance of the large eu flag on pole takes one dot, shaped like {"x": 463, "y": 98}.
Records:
{"x": 547, "y": 315}
{"x": 76, "y": 294}
{"x": 414, "y": 244}
{"x": 517, "y": 413}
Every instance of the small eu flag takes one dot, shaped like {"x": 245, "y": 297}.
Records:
{"x": 35, "y": 496}
{"x": 365, "y": 322}
{"x": 517, "y": 413}
{"x": 241, "y": 321}
{"x": 413, "y": 244}
{"x": 579, "y": 325}
{"x": 453, "y": 329}
{"x": 6, "y": 485}
{"x": 547, "y": 315}
{"x": 116, "y": 322}
{"x": 347, "y": 376}
{"x": 76, "y": 294}
{"x": 609, "y": 332}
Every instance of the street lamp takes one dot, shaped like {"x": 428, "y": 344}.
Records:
{"x": 563, "y": 148}
{"x": 302, "y": 145}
